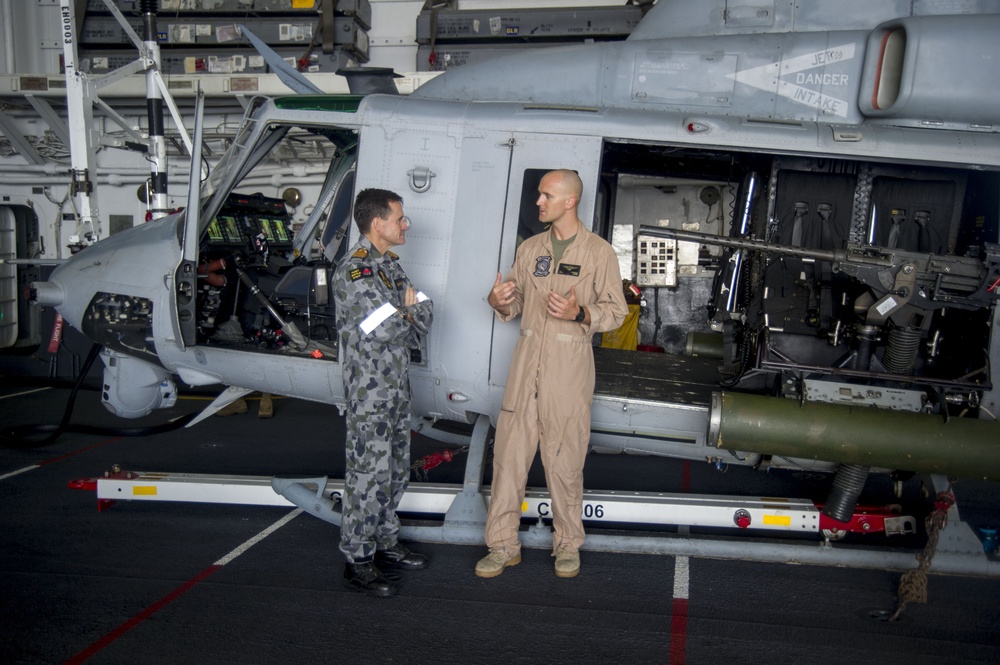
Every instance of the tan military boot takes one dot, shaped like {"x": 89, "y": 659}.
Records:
{"x": 235, "y": 408}
{"x": 567, "y": 564}
{"x": 493, "y": 563}
{"x": 266, "y": 407}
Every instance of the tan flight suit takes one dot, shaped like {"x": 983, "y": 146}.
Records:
{"x": 550, "y": 386}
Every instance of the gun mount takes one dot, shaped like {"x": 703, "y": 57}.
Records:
{"x": 905, "y": 318}
{"x": 898, "y": 279}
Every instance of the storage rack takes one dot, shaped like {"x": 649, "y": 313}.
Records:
{"x": 202, "y": 37}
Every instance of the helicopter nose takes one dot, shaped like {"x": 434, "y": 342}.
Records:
{"x": 48, "y": 293}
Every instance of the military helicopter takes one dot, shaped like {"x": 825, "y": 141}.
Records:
{"x": 806, "y": 197}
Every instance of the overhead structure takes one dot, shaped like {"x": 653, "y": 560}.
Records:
{"x": 205, "y": 37}
{"x": 80, "y": 116}
{"x": 82, "y": 94}
{"x": 448, "y": 37}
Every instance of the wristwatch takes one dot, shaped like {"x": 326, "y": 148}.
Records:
{"x": 580, "y": 315}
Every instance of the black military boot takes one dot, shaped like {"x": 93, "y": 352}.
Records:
{"x": 401, "y": 558}
{"x": 366, "y": 578}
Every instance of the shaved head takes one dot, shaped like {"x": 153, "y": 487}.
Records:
{"x": 558, "y": 198}
{"x": 571, "y": 183}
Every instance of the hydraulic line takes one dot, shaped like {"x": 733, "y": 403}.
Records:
{"x": 847, "y": 485}
{"x": 901, "y": 350}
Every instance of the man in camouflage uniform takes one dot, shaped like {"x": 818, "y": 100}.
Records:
{"x": 380, "y": 317}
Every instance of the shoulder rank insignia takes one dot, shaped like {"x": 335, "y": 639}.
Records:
{"x": 569, "y": 269}
{"x": 362, "y": 253}
{"x": 385, "y": 279}
{"x": 392, "y": 255}
{"x": 354, "y": 274}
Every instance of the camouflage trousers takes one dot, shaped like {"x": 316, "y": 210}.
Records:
{"x": 378, "y": 471}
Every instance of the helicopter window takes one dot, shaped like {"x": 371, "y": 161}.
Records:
{"x": 527, "y": 221}
{"x": 335, "y": 245}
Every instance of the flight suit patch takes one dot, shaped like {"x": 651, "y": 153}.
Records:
{"x": 542, "y": 266}
{"x": 358, "y": 273}
{"x": 569, "y": 269}
{"x": 385, "y": 279}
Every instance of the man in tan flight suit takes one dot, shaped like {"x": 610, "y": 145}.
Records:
{"x": 566, "y": 286}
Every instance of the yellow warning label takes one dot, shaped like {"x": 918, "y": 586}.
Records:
{"x": 524, "y": 506}
{"x": 778, "y": 520}
{"x": 144, "y": 490}
{"x": 302, "y": 4}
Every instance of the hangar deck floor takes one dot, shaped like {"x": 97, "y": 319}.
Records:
{"x": 192, "y": 583}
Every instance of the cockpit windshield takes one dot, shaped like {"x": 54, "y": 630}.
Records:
{"x": 234, "y": 154}
{"x": 268, "y": 139}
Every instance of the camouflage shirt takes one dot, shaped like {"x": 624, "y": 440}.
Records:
{"x": 375, "y": 364}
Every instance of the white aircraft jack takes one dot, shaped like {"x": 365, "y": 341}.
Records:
{"x": 958, "y": 552}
